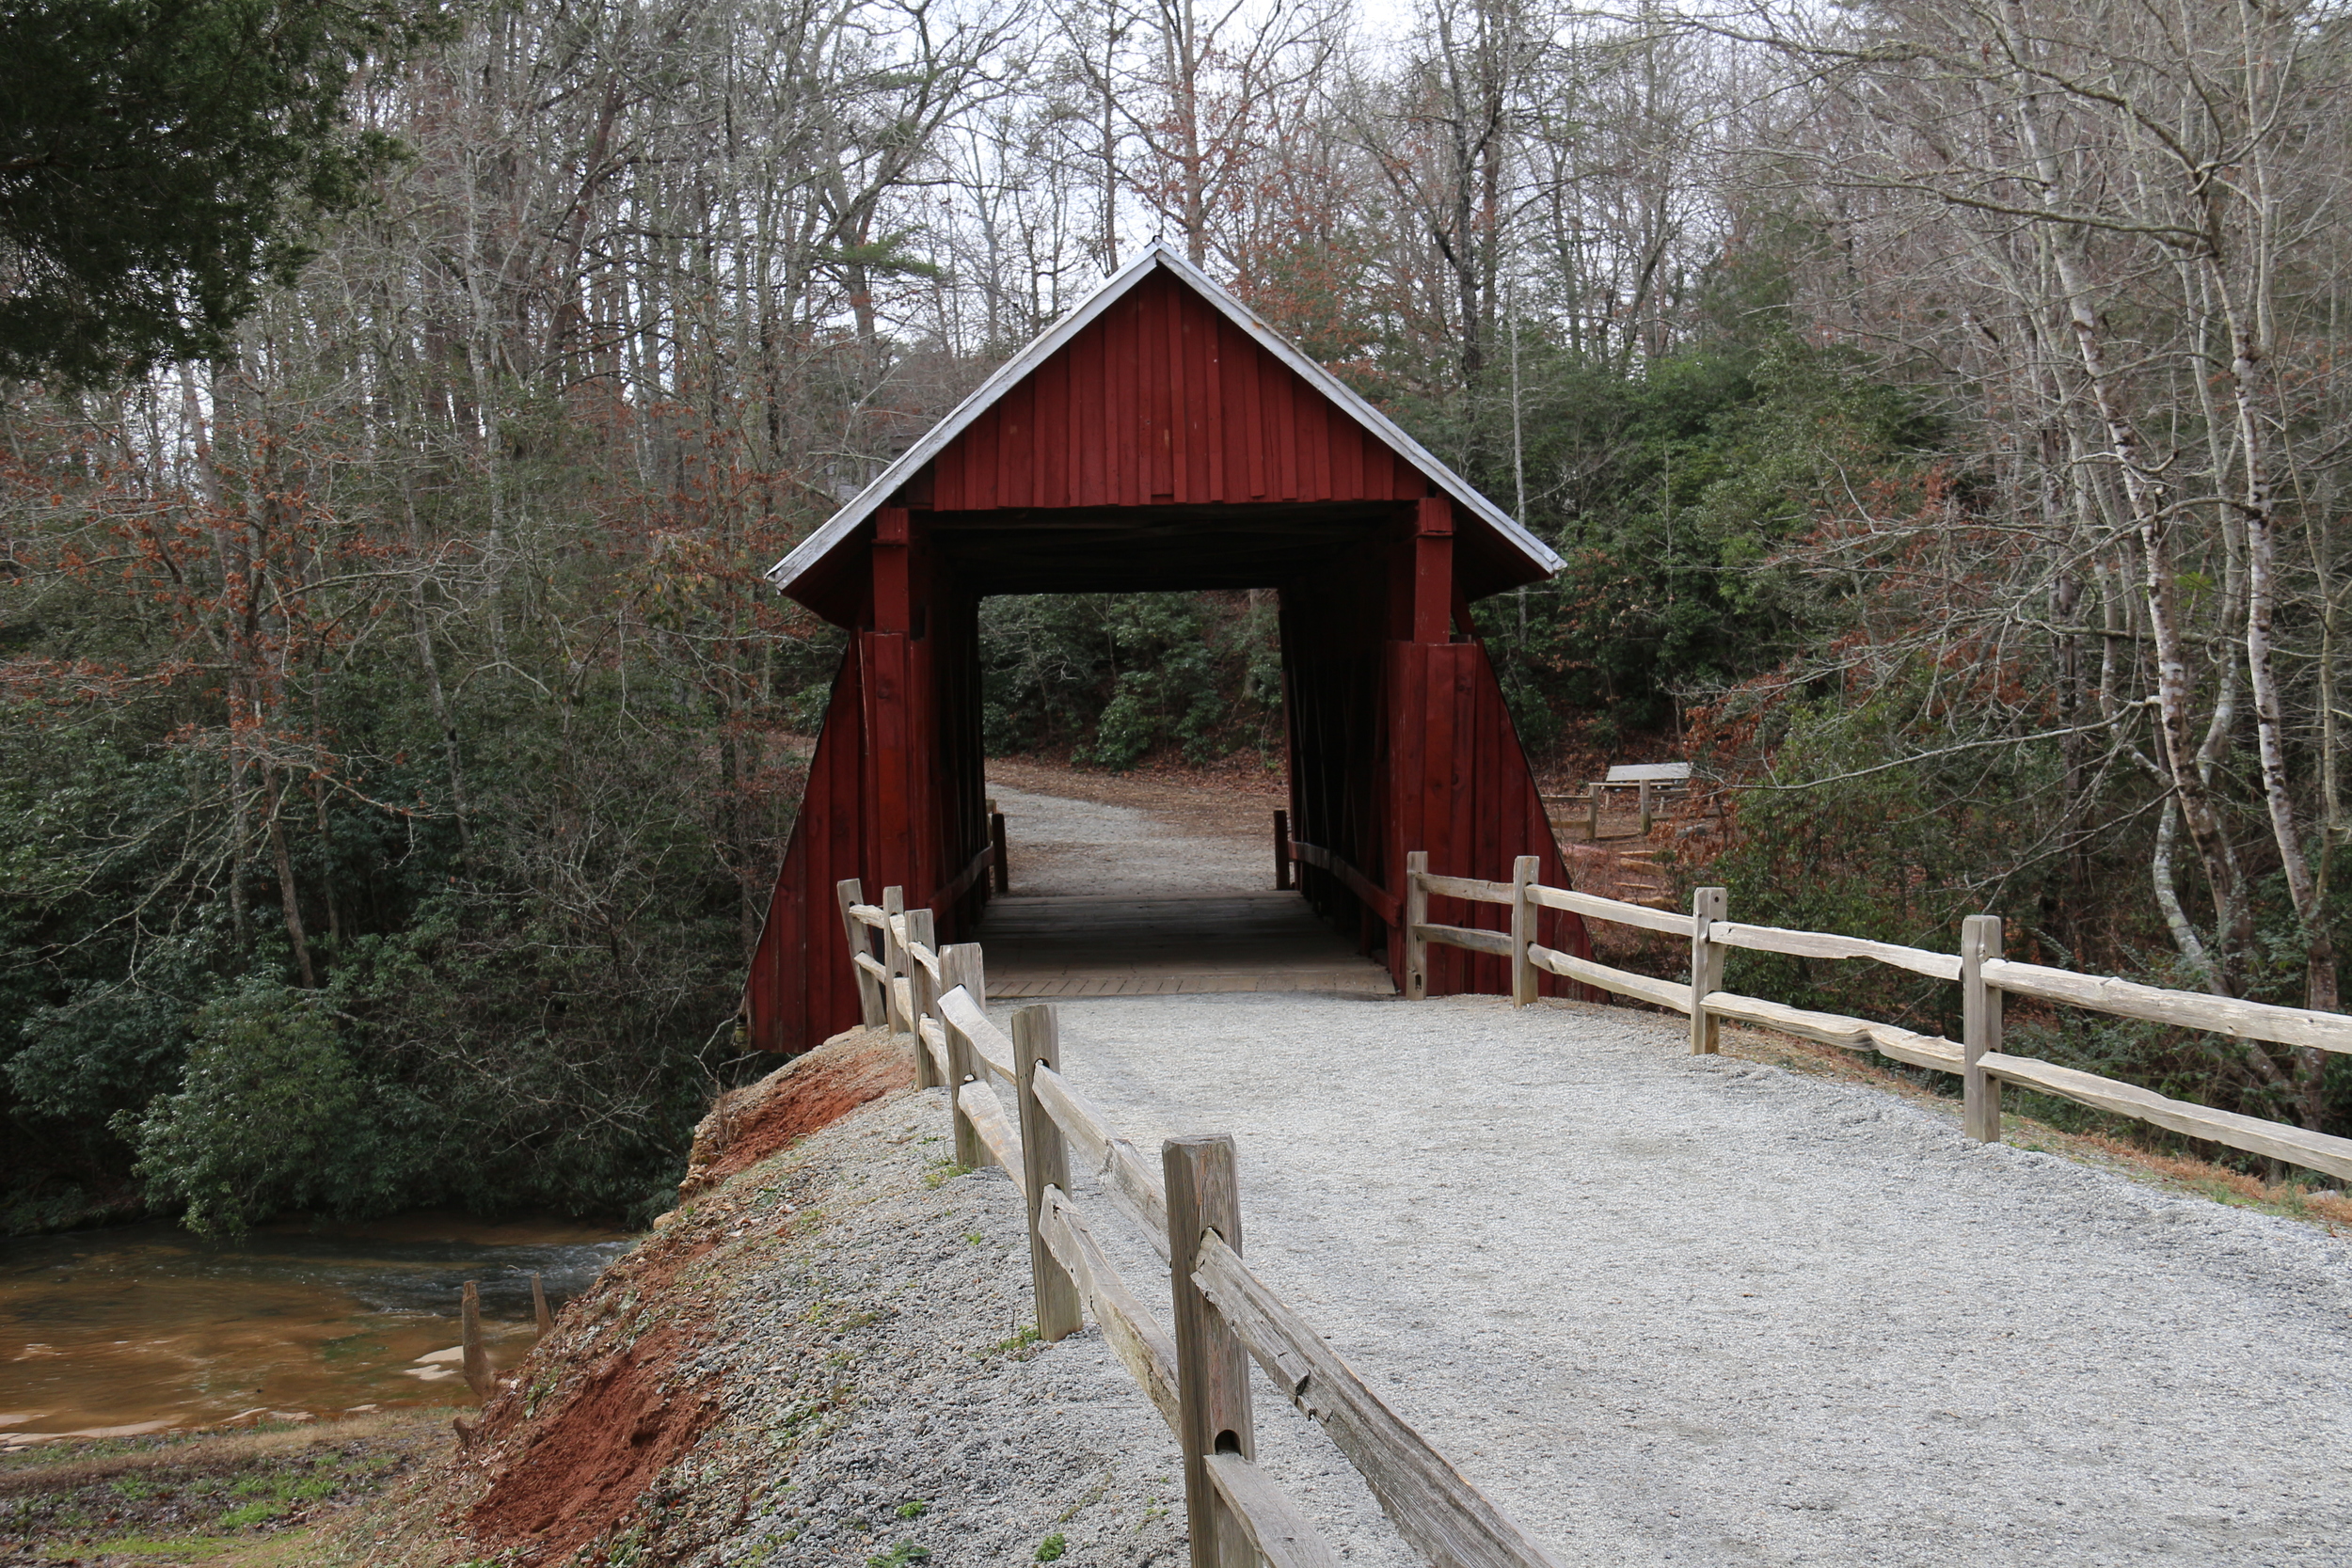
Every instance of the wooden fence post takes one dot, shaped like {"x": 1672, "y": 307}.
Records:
{"x": 869, "y": 998}
{"x": 1979, "y": 1028}
{"x": 1592, "y": 804}
{"x": 894, "y": 961}
{"x": 1036, "y": 1044}
{"x": 1706, "y": 967}
{"x": 922, "y": 989}
{"x": 1416, "y": 916}
{"x": 539, "y": 1313}
{"x": 926, "y": 999}
{"x": 1645, "y": 808}
{"x": 1281, "y": 850}
{"x": 1524, "y": 873}
{"x": 1001, "y": 869}
{"x": 922, "y": 992}
{"x": 971, "y": 1152}
{"x": 476, "y": 1361}
{"x": 1212, "y": 1368}
{"x": 959, "y": 965}
{"x": 968, "y": 971}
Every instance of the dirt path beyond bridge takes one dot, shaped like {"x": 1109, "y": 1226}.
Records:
{"x": 1704, "y": 1310}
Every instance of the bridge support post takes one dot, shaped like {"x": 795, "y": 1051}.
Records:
{"x": 1979, "y": 1028}
{"x": 1212, "y": 1368}
{"x": 1706, "y": 967}
{"x": 1036, "y": 1044}
{"x": 1525, "y": 871}
{"x": 1281, "y": 850}
{"x": 1416, "y": 916}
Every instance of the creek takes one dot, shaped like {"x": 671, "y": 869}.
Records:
{"x": 145, "y": 1328}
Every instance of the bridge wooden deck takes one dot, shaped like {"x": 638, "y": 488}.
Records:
{"x": 1152, "y": 945}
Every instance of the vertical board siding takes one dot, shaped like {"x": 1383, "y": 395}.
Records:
{"x": 1162, "y": 400}
{"x": 894, "y": 797}
{"x": 1398, "y": 745}
{"x": 1399, "y": 740}
{"x": 799, "y": 989}
{"x": 1460, "y": 787}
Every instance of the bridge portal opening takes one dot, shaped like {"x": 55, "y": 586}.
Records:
{"x": 1122, "y": 882}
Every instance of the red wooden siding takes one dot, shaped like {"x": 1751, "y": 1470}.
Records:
{"x": 1467, "y": 796}
{"x": 1397, "y": 745}
{"x": 1399, "y": 736}
{"x": 893, "y": 798}
{"x": 1162, "y": 400}
{"x": 800, "y": 990}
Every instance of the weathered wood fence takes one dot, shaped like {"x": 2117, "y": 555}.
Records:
{"x": 1984, "y": 976}
{"x": 1195, "y": 1374}
{"x": 1189, "y": 1209}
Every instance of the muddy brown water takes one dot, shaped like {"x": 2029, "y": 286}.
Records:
{"x": 145, "y": 1328}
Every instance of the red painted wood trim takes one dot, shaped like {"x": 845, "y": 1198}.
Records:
{"x": 1433, "y": 571}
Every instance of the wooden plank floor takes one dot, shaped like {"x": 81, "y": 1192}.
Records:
{"x": 1144, "y": 944}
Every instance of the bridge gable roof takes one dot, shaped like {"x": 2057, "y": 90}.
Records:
{"x": 1291, "y": 450}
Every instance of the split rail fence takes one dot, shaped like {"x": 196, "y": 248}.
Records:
{"x": 1189, "y": 1211}
{"x": 1982, "y": 974}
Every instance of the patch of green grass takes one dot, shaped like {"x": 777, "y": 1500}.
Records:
{"x": 973, "y": 1237}
{"x": 1050, "y": 1548}
{"x": 253, "y": 1512}
{"x": 899, "y": 1556}
{"x": 156, "y": 1546}
{"x": 914, "y": 1510}
{"x": 1026, "y": 1339}
{"x": 944, "y": 1170}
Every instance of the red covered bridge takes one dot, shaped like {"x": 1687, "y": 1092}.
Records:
{"x": 1162, "y": 438}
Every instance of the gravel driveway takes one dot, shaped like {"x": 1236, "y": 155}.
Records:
{"x": 1668, "y": 1309}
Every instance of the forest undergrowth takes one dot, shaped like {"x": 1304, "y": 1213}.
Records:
{"x": 400, "y": 738}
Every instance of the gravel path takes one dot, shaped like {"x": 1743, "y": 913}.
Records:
{"x": 1669, "y": 1309}
{"x": 868, "y": 1321}
{"x": 1679, "y": 1311}
{"x": 1064, "y": 846}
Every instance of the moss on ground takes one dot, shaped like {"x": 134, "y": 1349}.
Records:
{"x": 237, "y": 1500}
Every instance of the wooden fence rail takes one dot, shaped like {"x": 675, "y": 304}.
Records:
{"x": 1224, "y": 1317}
{"x": 1189, "y": 1209}
{"x": 1982, "y": 974}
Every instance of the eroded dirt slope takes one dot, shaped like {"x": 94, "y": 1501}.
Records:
{"x": 822, "y": 1357}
